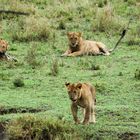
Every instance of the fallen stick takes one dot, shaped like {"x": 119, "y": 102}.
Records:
{"x": 14, "y": 12}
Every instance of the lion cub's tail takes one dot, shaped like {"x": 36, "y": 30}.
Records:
{"x": 122, "y": 35}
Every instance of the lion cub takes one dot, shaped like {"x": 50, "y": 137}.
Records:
{"x": 78, "y": 46}
{"x": 83, "y": 95}
{"x": 3, "y": 50}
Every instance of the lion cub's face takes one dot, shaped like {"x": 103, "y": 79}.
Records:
{"x": 3, "y": 46}
{"x": 74, "y": 38}
{"x": 74, "y": 91}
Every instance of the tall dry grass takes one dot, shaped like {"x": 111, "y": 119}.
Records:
{"x": 107, "y": 20}
{"x": 30, "y": 29}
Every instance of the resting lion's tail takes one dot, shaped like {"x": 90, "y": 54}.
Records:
{"x": 122, "y": 35}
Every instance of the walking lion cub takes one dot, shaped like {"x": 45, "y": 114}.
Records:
{"x": 83, "y": 95}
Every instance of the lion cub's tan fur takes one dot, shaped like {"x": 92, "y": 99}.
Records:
{"x": 78, "y": 46}
{"x": 3, "y": 49}
{"x": 83, "y": 95}
{"x": 3, "y": 46}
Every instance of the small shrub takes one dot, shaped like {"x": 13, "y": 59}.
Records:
{"x": 95, "y": 67}
{"x": 18, "y": 82}
{"x": 101, "y": 3}
{"x": 137, "y": 74}
{"x": 120, "y": 74}
{"x": 62, "y": 25}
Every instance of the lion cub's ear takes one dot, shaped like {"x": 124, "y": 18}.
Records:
{"x": 79, "y": 85}
{"x": 67, "y": 84}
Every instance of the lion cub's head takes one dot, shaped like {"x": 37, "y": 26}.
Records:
{"x": 74, "y": 38}
{"x": 74, "y": 91}
{"x": 3, "y": 46}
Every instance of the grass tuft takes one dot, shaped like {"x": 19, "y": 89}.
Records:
{"x": 95, "y": 67}
{"x": 62, "y": 25}
{"x": 54, "y": 67}
{"x": 18, "y": 82}
{"x": 137, "y": 74}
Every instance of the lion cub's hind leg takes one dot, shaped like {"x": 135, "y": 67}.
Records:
{"x": 83, "y": 111}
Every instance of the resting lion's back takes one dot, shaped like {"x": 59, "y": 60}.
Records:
{"x": 90, "y": 47}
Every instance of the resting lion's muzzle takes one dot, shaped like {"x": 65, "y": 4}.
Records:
{"x": 2, "y": 52}
{"x": 73, "y": 43}
{"x": 74, "y": 100}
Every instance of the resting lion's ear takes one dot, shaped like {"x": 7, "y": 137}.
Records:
{"x": 68, "y": 34}
{"x": 79, "y": 34}
{"x": 67, "y": 84}
{"x": 79, "y": 85}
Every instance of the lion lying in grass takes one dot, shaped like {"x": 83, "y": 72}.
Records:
{"x": 3, "y": 50}
{"x": 78, "y": 46}
{"x": 83, "y": 95}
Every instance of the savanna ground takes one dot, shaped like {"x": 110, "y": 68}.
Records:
{"x": 33, "y": 99}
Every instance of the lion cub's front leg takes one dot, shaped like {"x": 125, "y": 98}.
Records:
{"x": 74, "y": 109}
{"x": 87, "y": 115}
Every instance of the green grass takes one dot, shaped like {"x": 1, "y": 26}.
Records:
{"x": 44, "y": 72}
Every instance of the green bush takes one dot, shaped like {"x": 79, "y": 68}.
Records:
{"x": 35, "y": 128}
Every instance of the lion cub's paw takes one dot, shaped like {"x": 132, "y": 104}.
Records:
{"x": 85, "y": 122}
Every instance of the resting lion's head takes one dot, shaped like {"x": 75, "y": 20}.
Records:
{"x": 3, "y": 46}
{"x": 74, "y": 91}
{"x": 74, "y": 38}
